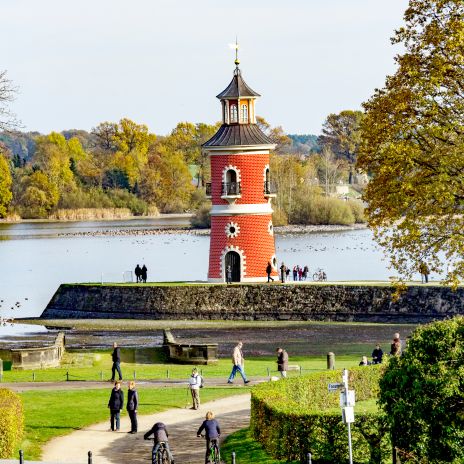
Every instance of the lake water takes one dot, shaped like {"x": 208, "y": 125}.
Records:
{"x": 35, "y": 260}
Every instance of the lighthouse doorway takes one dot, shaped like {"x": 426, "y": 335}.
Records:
{"x": 232, "y": 259}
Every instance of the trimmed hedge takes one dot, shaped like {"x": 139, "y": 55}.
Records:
{"x": 295, "y": 416}
{"x": 11, "y": 422}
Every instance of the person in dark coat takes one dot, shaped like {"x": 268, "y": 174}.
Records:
{"x": 116, "y": 403}
{"x": 144, "y": 274}
{"x": 282, "y": 362}
{"x": 160, "y": 435}
{"x": 269, "y": 271}
{"x": 283, "y": 272}
{"x": 377, "y": 355}
{"x": 132, "y": 406}
{"x": 138, "y": 273}
{"x": 364, "y": 361}
{"x": 212, "y": 432}
{"x": 116, "y": 356}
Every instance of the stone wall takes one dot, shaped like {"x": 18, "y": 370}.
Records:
{"x": 36, "y": 357}
{"x": 340, "y": 302}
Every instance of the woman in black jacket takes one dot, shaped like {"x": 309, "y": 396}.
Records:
{"x": 116, "y": 403}
{"x": 132, "y": 406}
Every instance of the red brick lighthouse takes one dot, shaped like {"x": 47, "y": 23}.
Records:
{"x": 242, "y": 234}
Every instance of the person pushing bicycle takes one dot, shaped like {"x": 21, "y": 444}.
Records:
{"x": 212, "y": 434}
{"x": 160, "y": 435}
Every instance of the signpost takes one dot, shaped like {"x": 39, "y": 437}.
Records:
{"x": 347, "y": 402}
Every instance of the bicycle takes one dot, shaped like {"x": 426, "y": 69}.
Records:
{"x": 162, "y": 456}
{"x": 214, "y": 453}
{"x": 319, "y": 275}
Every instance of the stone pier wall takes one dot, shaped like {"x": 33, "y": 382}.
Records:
{"x": 334, "y": 302}
{"x": 36, "y": 357}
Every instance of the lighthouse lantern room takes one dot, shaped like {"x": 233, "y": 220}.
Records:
{"x": 242, "y": 234}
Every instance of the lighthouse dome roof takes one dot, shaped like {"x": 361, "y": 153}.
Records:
{"x": 237, "y": 88}
{"x": 238, "y": 134}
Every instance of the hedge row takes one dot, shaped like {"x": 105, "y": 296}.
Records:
{"x": 11, "y": 422}
{"x": 293, "y": 417}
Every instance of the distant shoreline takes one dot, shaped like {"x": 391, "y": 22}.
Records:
{"x": 292, "y": 229}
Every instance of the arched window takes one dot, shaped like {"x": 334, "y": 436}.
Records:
{"x": 244, "y": 114}
{"x": 233, "y": 113}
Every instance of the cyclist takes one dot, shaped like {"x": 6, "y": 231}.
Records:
{"x": 160, "y": 435}
{"x": 212, "y": 432}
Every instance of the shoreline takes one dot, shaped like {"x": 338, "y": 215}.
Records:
{"x": 291, "y": 229}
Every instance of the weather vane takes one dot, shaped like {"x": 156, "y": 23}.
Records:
{"x": 235, "y": 46}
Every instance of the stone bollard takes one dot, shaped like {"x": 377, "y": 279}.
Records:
{"x": 233, "y": 457}
{"x": 21, "y": 457}
{"x": 89, "y": 455}
{"x": 309, "y": 456}
{"x": 331, "y": 361}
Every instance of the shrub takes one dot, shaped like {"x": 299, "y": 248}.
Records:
{"x": 316, "y": 209}
{"x": 202, "y": 219}
{"x": 293, "y": 417}
{"x": 357, "y": 208}
{"x": 11, "y": 422}
{"x": 422, "y": 394}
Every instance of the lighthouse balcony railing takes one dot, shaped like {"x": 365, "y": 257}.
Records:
{"x": 270, "y": 189}
{"x": 231, "y": 190}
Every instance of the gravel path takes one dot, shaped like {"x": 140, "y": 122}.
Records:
{"x": 233, "y": 413}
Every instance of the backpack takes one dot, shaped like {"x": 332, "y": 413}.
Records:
{"x": 202, "y": 383}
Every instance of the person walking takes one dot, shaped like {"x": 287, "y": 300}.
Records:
{"x": 268, "y": 272}
{"x": 295, "y": 273}
{"x": 138, "y": 273}
{"x": 116, "y": 357}
{"x": 160, "y": 434}
{"x": 282, "y": 362}
{"x": 212, "y": 432}
{"x": 424, "y": 272}
{"x": 228, "y": 274}
{"x": 282, "y": 272}
{"x": 305, "y": 272}
{"x": 144, "y": 274}
{"x": 132, "y": 406}
{"x": 377, "y": 355}
{"x": 239, "y": 364}
{"x": 195, "y": 381}
{"x": 116, "y": 403}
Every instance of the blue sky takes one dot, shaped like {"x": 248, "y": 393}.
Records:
{"x": 78, "y": 63}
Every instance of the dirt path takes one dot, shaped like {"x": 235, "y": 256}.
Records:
{"x": 233, "y": 413}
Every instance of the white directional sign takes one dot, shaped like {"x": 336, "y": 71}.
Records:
{"x": 334, "y": 386}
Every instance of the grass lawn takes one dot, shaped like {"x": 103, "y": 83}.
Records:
{"x": 247, "y": 450}
{"x": 52, "y": 413}
{"x": 97, "y": 366}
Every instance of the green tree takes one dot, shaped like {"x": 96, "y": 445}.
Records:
{"x": 6, "y": 182}
{"x": 341, "y": 133}
{"x": 422, "y": 396}
{"x": 413, "y": 144}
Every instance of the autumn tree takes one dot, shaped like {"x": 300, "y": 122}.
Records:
{"x": 413, "y": 144}
{"x": 37, "y": 195}
{"x": 276, "y": 134}
{"x": 8, "y": 119}
{"x": 5, "y": 185}
{"x": 187, "y": 138}
{"x": 341, "y": 134}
